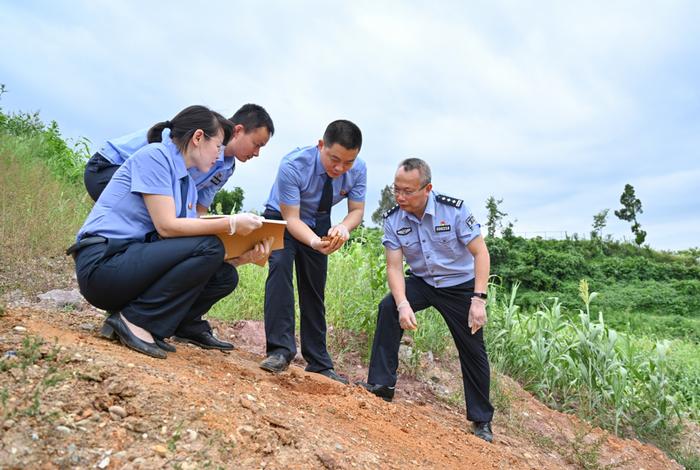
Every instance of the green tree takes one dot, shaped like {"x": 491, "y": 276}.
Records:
{"x": 228, "y": 202}
{"x": 386, "y": 202}
{"x": 631, "y": 206}
{"x": 600, "y": 220}
{"x": 494, "y": 215}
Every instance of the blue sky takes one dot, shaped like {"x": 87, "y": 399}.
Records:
{"x": 551, "y": 106}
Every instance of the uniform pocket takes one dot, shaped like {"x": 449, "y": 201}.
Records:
{"x": 411, "y": 245}
{"x": 447, "y": 245}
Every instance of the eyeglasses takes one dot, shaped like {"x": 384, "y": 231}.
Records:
{"x": 219, "y": 147}
{"x": 406, "y": 192}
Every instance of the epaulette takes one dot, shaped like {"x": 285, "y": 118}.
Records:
{"x": 450, "y": 201}
{"x": 390, "y": 211}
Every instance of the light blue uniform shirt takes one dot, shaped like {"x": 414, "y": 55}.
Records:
{"x": 435, "y": 247}
{"x": 300, "y": 182}
{"x": 121, "y": 212}
{"x": 120, "y": 149}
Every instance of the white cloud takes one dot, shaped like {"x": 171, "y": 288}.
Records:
{"x": 552, "y": 106}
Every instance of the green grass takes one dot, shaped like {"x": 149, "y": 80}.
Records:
{"x": 39, "y": 214}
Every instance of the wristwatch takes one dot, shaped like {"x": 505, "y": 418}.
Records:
{"x": 481, "y": 295}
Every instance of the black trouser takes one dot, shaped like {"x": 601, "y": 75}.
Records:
{"x": 164, "y": 286}
{"x": 453, "y": 304}
{"x": 98, "y": 172}
{"x": 311, "y": 268}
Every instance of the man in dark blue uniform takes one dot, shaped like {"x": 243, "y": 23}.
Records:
{"x": 309, "y": 182}
{"x": 442, "y": 244}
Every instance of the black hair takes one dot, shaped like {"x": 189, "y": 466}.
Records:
{"x": 344, "y": 133}
{"x": 417, "y": 164}
{"x": 186, "y": 123}
{"x": 251, "y": 116}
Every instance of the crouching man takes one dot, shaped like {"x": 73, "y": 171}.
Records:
{"x": 449, "y": 269}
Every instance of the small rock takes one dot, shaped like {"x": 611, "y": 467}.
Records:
{"x": 9, "y": 354}
{"x": 191, "y": 435}
{"x": 160, "y": 450}
{"x": 20, "y": 329}
{"x": 405, "y": 353}
{"x": 35, "y": 436}
{"x": 63, "y": 429}
{"x": 86, "y": 326}
{"x": 250, "y": 397}
{"x": 8, "y": 424}
{"x": 339, "y": 447}
{"x": 104, "y": 463}
{"x": 62, "y": 298}
{"x": 245, "y": 430}
{"x": 117, "y": 410}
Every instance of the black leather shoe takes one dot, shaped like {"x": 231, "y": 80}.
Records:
{"x": 107, "y": 331}
{"x": 163, "y": 345}
{"x": 205, "y": 340}
{"x": 384, "y": 392}
{"x": 483, "y": 431}
{"x": 130, "y": 340}
{"x": 274, "y": 363}
{"x": 331, "y": 374}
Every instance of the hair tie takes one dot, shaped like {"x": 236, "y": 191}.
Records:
{"x": 168, "y": 125}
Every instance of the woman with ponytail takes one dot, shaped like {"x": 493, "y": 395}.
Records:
{"x": 145, "y": 257}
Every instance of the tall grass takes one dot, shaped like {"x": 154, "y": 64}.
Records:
{"x": 631, "y": 385}
{"x": 42, "y": 202}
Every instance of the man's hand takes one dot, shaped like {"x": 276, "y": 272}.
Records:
{"x": 322, "y": 246}
{"x": 407, "y": 318}
{"x": 477, "y": 314}
{"x": 259, "y": 252}
{"x": 245, "y": 223}
{"x": 339, "y": 231}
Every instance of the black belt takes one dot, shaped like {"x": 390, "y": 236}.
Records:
{"x": 82, "y": 243}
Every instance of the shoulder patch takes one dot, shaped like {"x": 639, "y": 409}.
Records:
{"x": 450, "y": 201}
{"x": 390, "y": 211}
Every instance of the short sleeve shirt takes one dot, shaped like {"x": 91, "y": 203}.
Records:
{"x": 300, "y": 181}
{"x": 121, "y": 212}
{"x": 435, "y": 247}
{"x": 120, "y": 149}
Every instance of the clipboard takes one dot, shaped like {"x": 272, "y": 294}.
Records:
{"x": 235, "y": 245}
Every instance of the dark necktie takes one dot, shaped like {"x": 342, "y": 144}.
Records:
{"x": 184, "y": 186}
{"x": 323, "y": 215}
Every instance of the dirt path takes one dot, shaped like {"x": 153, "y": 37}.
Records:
{"x": 79, "y": 401}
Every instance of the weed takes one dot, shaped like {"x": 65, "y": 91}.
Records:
{"x": 175, "y": 437}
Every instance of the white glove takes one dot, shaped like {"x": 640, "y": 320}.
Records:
{"x": 244, "y": 223}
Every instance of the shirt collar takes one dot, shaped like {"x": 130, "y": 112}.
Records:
{"x": 178, "y": 158}
{"x": 319, "y": 166}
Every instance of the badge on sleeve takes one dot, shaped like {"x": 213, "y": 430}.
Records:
{"x": 471, "y": 221}
{"x": 404, "y": 231}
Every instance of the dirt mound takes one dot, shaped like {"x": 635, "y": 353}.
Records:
{"x": 71, "y": 399}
